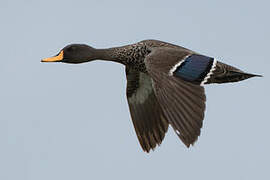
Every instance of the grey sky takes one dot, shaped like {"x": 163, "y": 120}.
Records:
{"x": 62, "y": 121}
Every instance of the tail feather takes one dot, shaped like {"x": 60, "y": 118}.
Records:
{"x": 224, "y": 73}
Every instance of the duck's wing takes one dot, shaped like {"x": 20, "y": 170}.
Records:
{"x": 221, "y": 73}
{"x": 181, "y": 98}
{"x": 147, "y": 116}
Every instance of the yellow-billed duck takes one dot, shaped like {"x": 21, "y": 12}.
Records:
{"x": 165, "y": 85}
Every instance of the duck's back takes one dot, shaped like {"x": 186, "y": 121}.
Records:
{"x": 156, "y": 43}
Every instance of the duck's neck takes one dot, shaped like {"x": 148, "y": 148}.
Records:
{"x": 115, "y": 54}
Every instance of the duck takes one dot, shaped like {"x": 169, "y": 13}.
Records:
{"x": 165, "y": 85}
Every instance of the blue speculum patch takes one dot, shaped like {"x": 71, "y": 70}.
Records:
{"x": 194, "y": 68}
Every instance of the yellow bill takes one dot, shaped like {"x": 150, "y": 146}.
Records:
{"x": 57, "y": 58}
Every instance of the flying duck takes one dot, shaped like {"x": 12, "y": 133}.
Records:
{"x": 165, "y": 85}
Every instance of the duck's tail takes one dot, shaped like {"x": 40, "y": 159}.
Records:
{"x": 223, "y": 73}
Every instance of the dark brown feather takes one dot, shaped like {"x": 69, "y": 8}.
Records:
{"x": 147, "y": 116}
{"x": 183, "y": 103}
{"x": 224, "y": 73}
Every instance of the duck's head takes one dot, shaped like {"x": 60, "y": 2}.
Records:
{"x": 73, "y": 53}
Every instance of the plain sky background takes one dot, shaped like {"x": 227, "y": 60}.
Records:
{"x": 61, "y": 121}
